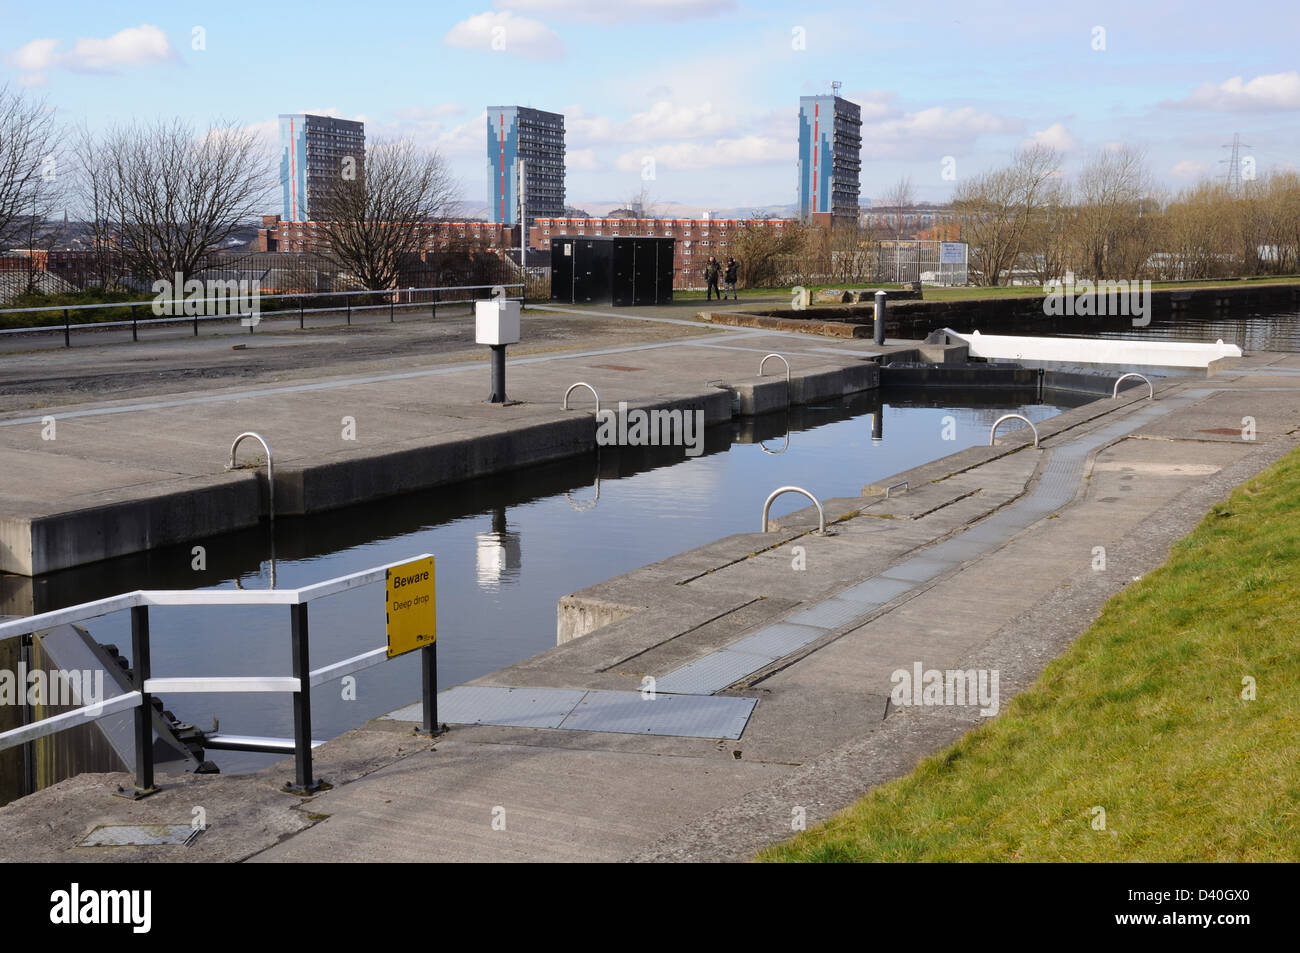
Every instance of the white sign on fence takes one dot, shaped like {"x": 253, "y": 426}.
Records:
{"x": 952, "y": 253}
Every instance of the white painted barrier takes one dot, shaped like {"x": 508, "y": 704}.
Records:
{"x": 1004, "y": 347}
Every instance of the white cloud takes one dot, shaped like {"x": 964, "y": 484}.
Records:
{"x": 1055, "y": 136}
{"x": 747, "y": 150}
{"x": 663, "y": 120}
{"x": 36, "y": 55}
{"x": 583, "y": 160}
{"x": 135, "y": 46}
{"x": 1189, "y": 169}
{"x": 503, "y": 32}
{"x": 920, "y": 133}
{"x": 1275, "y": 91}
{"x": 613, "y": 11}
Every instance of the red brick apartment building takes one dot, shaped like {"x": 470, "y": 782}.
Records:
{"x": 277, "y": 235}
{"x": 697, "y": 238}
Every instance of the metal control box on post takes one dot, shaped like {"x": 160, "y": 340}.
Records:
{"x": 496, "y": 324}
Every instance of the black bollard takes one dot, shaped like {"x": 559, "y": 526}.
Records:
{"x": 880, "y": 318}
{"x": 498, "y": 374}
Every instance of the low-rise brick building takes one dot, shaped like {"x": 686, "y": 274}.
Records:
{"x": 696, "y": 238}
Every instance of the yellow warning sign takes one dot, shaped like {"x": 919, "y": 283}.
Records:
{"x": 412, "y": 621}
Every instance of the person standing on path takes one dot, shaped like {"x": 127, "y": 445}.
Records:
{"x": 732, "y": 273}
{"x": 712, "y": 272}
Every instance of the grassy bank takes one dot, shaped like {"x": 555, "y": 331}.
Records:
{"x": 1143, "y": 716}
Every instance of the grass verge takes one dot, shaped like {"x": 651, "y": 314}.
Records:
{"x": 1143, "y": 716}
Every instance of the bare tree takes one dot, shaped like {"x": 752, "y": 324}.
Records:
{"x": 900, "y": 197}
{"x": 1048, "y": 243}
{"x": 171, "y": 194}
{"x": 29, "y": 142}
{"x": 997, "y": 209}
{"x": 90, "y": 188}
{"x": 642, "y": 205}
{"x": 1115, "y": 193}
{"x": 369, "y": 224}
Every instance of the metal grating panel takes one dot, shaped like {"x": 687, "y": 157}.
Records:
{"x": 497, "y": 705}
{"x": 685, "y": 716}
{"x": 918, "y": 568}
{"x": 876, "y": 591}
{"x": 140, "y": 835}
{"x": 832, "y": 613}
{"x": 778, "y": 640}
{"x": 712, "y": 673}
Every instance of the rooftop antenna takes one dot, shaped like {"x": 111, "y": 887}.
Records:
{"x": 1233, "y": 177}
{"x": 835, "y": 87}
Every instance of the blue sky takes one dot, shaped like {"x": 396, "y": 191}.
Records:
{"x": 709, "y": 89}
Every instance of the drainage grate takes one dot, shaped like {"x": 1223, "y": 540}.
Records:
{"x": 498, "y": 705}
{"x": 712, "y": 673}
{"x": 140, "y": 835}
{"x": 682, "y": 716}
{"x": 778, "y": 640}
{"x": 687, "y": 716}
{"x": 831, "y": 613}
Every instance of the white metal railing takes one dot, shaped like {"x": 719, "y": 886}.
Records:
{"x": 779, "y": 358}
{"x": 299, "y": 683}
{"x": 821, "y": 513}
{"x": 1151, "y": 391}
{"x": 270, "y": 472}
{"x": 573, "y": 387}
{"x": 993, "y": 432}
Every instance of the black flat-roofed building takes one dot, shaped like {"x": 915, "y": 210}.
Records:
{"x": 620, "y": 270}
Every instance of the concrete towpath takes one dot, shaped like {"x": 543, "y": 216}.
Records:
{"x": 987, "y": 561}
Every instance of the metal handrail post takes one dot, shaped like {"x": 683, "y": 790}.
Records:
{"x": 142, "y": 670}
{"x": 429, "y": 687}
{"x": 301, "y": 668}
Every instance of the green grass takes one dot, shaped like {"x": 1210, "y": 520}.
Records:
{"x": 933, "y": 293}
{"x": 1142, "y": 716}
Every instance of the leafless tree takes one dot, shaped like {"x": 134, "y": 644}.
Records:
{"x": 1114, "y": 194}
{"x": 29, "y": 180}
{"x": 369, "y": 223}
{"x": 90, "y": 189}
{"x": 170, "y": 194}
{"x": 900, "y": 197}
{"x": 997, "y": 209}
{"x": 642, "y": 205}
{"x": 1048, "y": 244}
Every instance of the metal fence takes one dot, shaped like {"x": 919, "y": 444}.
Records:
{"x": 298, "y": 683}
{"x": 931, "y": 263}
{"x": 235, "y": 308}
